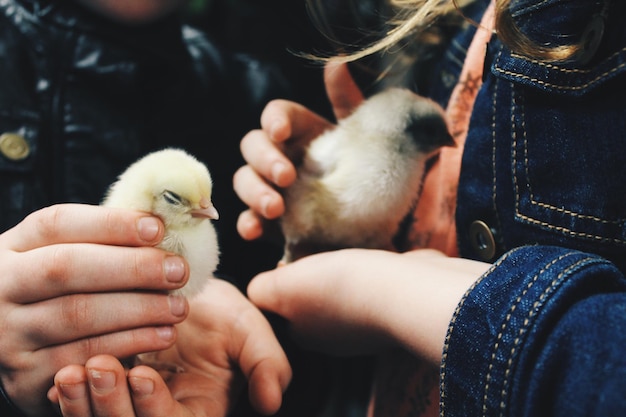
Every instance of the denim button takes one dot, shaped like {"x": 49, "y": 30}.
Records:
{"x": 482, "y": 240}
{"x": 14, "y": 146}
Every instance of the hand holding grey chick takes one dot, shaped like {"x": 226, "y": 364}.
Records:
{"x": 357, "y": 183}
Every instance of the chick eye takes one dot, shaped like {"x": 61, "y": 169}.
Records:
{"x": 172, "y": 198}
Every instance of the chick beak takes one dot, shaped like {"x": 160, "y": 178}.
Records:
{"x": 206, "y": 210}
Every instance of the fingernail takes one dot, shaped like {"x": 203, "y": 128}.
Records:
{"x": 165, "y": 333}
{"x": 177, "y": 305}
{"x": 148, "y": 228}
{"x": 73, "y": 391}
{"x": 174, "y": 268}
{"x": 102, "y": 381}
{"x": 141, "y": 386}
{"x": 277, "y": 171}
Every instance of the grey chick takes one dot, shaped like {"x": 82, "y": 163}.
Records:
{"x": 359, "y": 182}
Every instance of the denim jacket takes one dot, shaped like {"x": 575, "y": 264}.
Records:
{"x": 541, "y": 195}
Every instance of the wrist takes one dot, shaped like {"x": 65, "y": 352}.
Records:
{"x": 418, "y": 316}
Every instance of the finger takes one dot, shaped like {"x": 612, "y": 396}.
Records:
{"x": 283, "y": 120}
{"x": 123, "y": 345}
{"x": 271, "y": 291}
{"x": 263, "y": 361}
{"x": 257, "y": 194}
{"x": 74, "y": 318}
{"x": 72, "y": 392}
{"x": 68, "y": 223}
{"x": 249, "y": 225}
{"x": 260, "y": 358}
{"x": 84, "y": 268}
{"x": 328, "y": 305}
{"x": 343, "y": 92}
{"x": 108, "y": 388}
{"x": 266, "y": 158}
{"x": 150, "y": 395}
{"x": 267, "y": 384}
{"x": 251, "y": 346}
{"x": 308, "y": 297}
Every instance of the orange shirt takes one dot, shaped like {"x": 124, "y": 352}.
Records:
{"x": 435, "y": 226}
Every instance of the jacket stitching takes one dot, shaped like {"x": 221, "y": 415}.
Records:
{"x": 493, "y": 161}
{"x": 496, "y": 345}
{"x": 570, "y": 212}
{"x": 549, "y": 206}
{"x": 557, "y": 86}
{"x": 540, "y": 301}
{"x": 561, "y": 69}
{"x": 522, "y": 330}
{"x": 532, "y": 198}
{"x": 446, "y": 345}
{"x": 570, "y": 232}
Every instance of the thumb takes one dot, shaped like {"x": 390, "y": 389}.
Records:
{"x": 343, "y": 92}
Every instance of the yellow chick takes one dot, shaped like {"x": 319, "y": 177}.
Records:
{"x": 358, "y": 183}
{"x": 176, "y": 187}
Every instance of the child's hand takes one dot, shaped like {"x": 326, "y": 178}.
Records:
{"x": 224, "y": 337}
{"x": 358, "y": 301}
{"x": 67, "y": 292}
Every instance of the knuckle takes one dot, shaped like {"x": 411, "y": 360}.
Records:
{"x": 46, "y": 221}
{"x": 116, "y": 226}
{"x": 11, "y": 276}
{"x": 146, "y": 266}
{"x": 112, "y": 221}
{"x": 87, "y": 347}
{"x": 75, "y": 312}
{"x": 55, "y": 266}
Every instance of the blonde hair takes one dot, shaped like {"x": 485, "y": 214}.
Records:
{"x": 514, "y": 39}
{"x": 413, "y": 18}
{"x": 410, "y": 19}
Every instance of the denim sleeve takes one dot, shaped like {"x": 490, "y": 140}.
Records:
{"x": 541, "y": 334}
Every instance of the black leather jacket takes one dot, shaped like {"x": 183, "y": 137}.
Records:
{"x": 81, "y": 98}
{"x": 89, "y": 97}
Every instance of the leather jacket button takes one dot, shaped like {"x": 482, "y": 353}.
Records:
{"x": 14, "y": 146}
{"x": 482, "y": 240}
